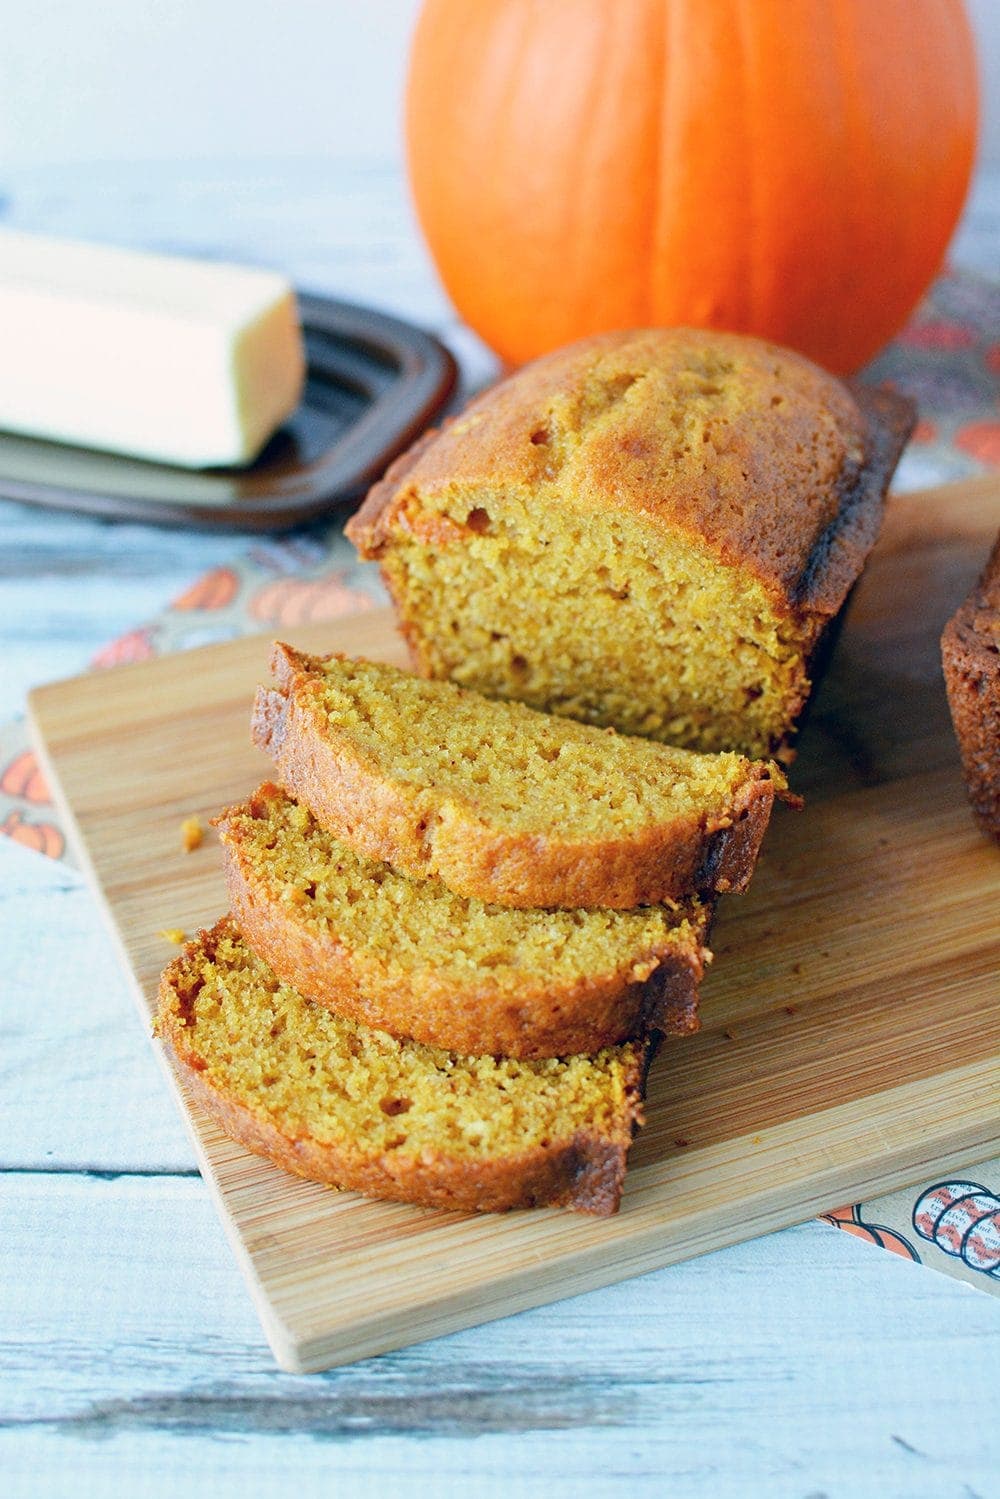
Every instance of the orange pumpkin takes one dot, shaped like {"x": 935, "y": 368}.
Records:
{"x": 790, "y": 170}
{"x": 300, "y": 601}
{"x": 213, "y": 591}
{"x": 23, "y": 777}
{"x": 43, "y": 837}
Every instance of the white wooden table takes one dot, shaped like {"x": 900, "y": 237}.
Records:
{"x": 131, "y": 1361}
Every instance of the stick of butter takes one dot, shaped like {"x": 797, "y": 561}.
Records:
{"x": 181, "y": 361}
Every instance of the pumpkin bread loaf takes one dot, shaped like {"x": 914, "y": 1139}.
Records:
{"x": 412, "y": 958}
{"x": 504, "y": 803}
{"x": 970, "y": 653}
{"x": 650, "y": 530}
{"x": 333, "y": 1100}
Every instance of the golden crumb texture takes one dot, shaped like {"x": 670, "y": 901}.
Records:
{"x": 411, "y": 957}
{"x": 339, "y": 1102}
{"x": 504, "y": 803}
{"x": 650, "y": 530}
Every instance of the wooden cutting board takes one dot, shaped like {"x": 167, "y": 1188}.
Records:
{"x": 851, "y": 1025}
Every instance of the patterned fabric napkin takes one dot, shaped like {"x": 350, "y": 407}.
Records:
{"x": 948, "y": 359}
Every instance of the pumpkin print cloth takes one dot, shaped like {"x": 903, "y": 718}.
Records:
{"x": 948, "y": 360}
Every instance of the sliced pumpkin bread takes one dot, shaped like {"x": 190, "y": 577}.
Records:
{"x": 502, "y": 802}
{"x": 413, "y": 958}
{"x": 328, "y": 1098}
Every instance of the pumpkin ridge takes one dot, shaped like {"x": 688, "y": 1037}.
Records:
{"x": 744, "y": 77}
{"x": 850, "y": 99}
{"x": 664, "y": 20}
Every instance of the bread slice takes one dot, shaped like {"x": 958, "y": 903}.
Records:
{"x": 412, "y": 958}
{"x": 503, "y": 803}
{"x": 650, "y": 529}
{"x": 970, "y": 653}
{"x": 333, "y": 1100}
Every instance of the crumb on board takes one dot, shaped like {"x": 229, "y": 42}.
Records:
{"x": 175, "y": 934}
{"x": 192, "y": 834}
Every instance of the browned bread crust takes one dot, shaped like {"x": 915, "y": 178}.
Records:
{"x": 424, "y": 834}
{"x": 970, "y": 654}
{"x": 584, "y": 1169}
{"x": 470, "y": 1013}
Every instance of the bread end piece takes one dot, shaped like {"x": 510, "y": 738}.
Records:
{"x": 970, "y": 656}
